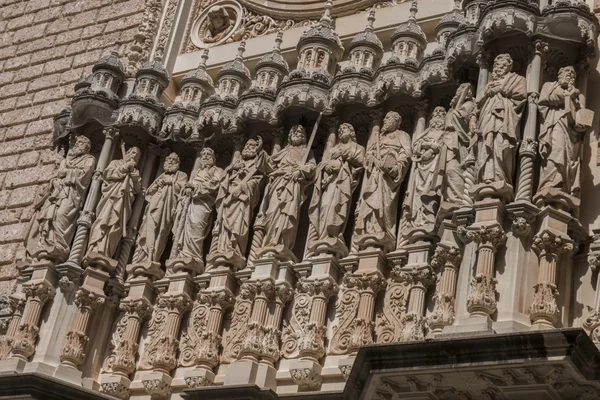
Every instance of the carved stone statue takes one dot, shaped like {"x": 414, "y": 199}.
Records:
{"x": 218, "y": 24}
{"x": 237, "y": 198}
{"x": 121, "y": 184}
{"x": 460, "y": 121}
{"x": 53, "y": 227}
{"x": 500, "y": 111}
{"x": 429, "y": 161}
{"x": 291, "y": 170}
{"x": 336, "y": 179}
{"x": 560, "y": 140}
{"x": 195, "y": 209}
{"x": 162, "y": 196}
{"x": 387, "y": 160}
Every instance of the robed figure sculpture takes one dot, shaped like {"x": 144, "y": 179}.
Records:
{"x": 53, "y": 227}
{"x": 237, "y": 198}
{"x": 560, "y": 141}
{"x": 337, "y": 177}
{"x": 500, "y": 111}
{"x": 291, "y": 170}
{"x": 386, "y": 163}
{"x": 162, "y": 197}
{"x": 121, "y": 184}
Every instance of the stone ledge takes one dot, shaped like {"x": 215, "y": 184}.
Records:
{"x": 571, "y": 346}
{"x": 253, "y": 392}
{"x": 40, "y": 387}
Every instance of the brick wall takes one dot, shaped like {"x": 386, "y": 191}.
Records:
{"x": 46, "y": 46}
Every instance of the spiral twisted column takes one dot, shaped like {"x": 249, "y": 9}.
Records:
{"x": 87, "y": 215}
{"x": 528, "y": 149}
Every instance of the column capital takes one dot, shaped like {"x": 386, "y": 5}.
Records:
{"x": 85, "y": 298}
{"x": 549, "y": 244}
{"x": 140, "y": 307}
{"x": 538, "y": 47}
{"x": 487, "y": 235}
{"x": 178, "y": 302}
{"x": 223, "y": 299}
{"x": 111, "y": 132}
{"x": 373, "y": 281}
{"x": 325, "y": 287}
{"x": 423, "y": 277}
{"x": 41, "y": 291}
{"x": 445, "y": 255}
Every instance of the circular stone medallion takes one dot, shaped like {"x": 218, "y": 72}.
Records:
{"x": 217, "y": 24}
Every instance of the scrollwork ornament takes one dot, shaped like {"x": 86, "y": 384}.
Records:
{"x": 195, "y": 382}
{"x": 115, "y": 389}
{"x": 306, "y": 378}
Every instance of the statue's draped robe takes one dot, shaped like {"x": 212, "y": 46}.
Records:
{"x": 114, "y": 209}
{"x": 332, "y": 197}
{"x": 498, "y": 125}
{"x": 378, "y": 204}
{"x": 285, "y": 195}
{"x": 560, "y": 169}
{"x": 424, "y": 189}
{"x": 53, "y": 228}
{"x": 457, "y": 140}
{"x": 197, "y": 218}
{"x": 237, "y": 198}
{"x": 158, "y": 219}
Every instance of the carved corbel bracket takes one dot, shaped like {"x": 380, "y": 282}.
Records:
{"x": 522, "y": 215}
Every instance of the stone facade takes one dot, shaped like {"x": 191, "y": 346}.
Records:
{"x": 204, "y": 195}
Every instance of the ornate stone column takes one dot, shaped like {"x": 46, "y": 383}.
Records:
{"x": 120, "y": 363}
{"x": 448, "y": 259}
{"x": 414, "y": 321}
{"x": 37, "y": 293}
{"x": 6, "y": 341}
{"x": 154, "y": 152}
{"x": 252, "y": 346}
{"x": 483, "y": 60}
{"x": 550, "y": 242}
{"x": 592, "y": 322}
{"x": 73, "y": 352}
{"x": 160, "y": 353}
{"x": 201, "y": 337}
{"x": 305, "y": 333}
{"x": 86, "y": 217}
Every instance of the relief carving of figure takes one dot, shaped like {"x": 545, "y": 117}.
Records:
{"x": 424, "y": 190}
{"x": 121, "y": 184}
{"x": 460, "y": 121}
{"x": 500, "y": 111}
{"x": 162, "y": 196}
{"x": 195, "y": 210}
{"x": 237, "y": 198}
{"x": 560, "y": 140}
{"x": 291, "y": 170}
{"x": 219, "y": 24}
{"x": 336, "y": 179}
{"x": 387, "y": 160}
{"x": 53, "y": 227}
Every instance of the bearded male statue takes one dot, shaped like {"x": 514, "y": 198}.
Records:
{"x": 460, "y": 122}
{"x": 500, "y": 111}
{"x": 560, "y": 141}
{"x": 121, "y": 184}
{"x": 290, "y": 173}
{"x": 423, "y": 195}
{"x": 195, "y": 213}
{"x": 237, "y": 198}
{"x": 386, "y": 162}
{"x": 336, "y": 179}
{"x": 162, "y": 197}
{"x": 53, "y": 227}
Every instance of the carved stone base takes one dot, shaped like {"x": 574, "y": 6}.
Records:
{"x": 469, "y": 325}
{"x": 98, "y": 260}
{"x": 149, "y": 268}
{"x": 115, "y": 385}
{"x": 306, "y": 374}
{"x": 345, "y": 367}
{"x": 555, "y": 196}
{"x": 199, "y": 377}
{"x": 187, "y": 264}
{"x": 12, "y": 365}
{"x": 247, "y": 371}
{"x": 157, "y": 384}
